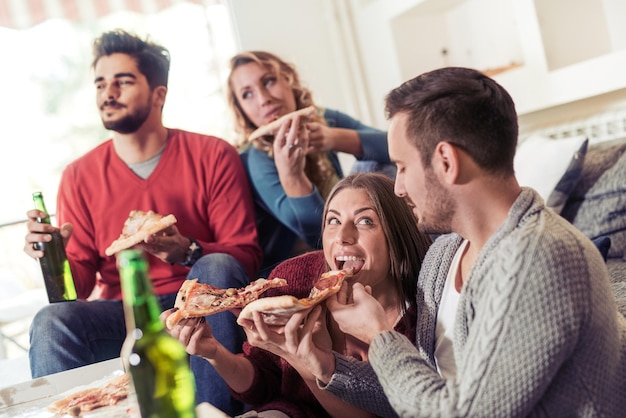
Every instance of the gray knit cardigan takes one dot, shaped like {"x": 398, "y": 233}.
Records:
{"x": 537, "y": 332}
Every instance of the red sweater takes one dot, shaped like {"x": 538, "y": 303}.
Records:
{"x": 200, "y": 179}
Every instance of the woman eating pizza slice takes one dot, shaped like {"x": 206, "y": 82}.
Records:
{"x": 290, "y": 147}
{"x": 366, "y": 230}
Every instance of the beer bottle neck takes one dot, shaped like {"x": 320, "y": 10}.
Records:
{"x": 141, "y": 306}
{"x": 39, "y": 204}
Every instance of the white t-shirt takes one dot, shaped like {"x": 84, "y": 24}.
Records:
{"x": 444, "y": 332}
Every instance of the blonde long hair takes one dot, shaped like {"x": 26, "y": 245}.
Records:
{"x": 318, "y": 168}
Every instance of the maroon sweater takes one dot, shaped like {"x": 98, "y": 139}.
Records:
{"x": 276, "y": 384}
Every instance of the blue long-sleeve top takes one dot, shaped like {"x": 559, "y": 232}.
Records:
{"x": 281, "y": 219}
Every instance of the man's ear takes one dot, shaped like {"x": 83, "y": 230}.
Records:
{"x": 159, "y": 95}
{"x": 445, "y": 161}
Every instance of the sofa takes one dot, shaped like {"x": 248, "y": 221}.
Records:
{"x": 597, "y": 206}
{"x": 583, "y": 178}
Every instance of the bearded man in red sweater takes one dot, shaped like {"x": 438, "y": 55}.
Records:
{"x": 145, "y": 166}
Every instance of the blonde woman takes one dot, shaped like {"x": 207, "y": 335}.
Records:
{"x": 292, "y": 176}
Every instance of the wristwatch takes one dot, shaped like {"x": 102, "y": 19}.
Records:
{"x": 193, "y": 254}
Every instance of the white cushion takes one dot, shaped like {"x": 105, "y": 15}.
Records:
{"x": 541, "y": 163}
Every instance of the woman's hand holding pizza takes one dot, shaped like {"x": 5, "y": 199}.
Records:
{"x": 290, "y": 148}
{"x": 304, "y": 341}
{"x": 321, "y": 137}
{"x": 326, "y": 138}
{"x": 195, "y": 334}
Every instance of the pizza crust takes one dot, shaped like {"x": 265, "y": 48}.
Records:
{"x": 277, "y": 310}
{"x": 270, "y": 128}
{"x": 149, "y": 228}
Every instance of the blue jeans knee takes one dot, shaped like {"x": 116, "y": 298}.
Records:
{"x": 219, "y": 270}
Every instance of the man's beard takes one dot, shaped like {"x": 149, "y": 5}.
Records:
{"x": 440, "y": 207}
{"x": 130, "y": 123}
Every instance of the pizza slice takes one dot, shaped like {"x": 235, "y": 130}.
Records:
{"x": 277, "y": 310}
{"x": 272, "y": 127}
{"x": 79, "y": 402}
{"x": 195, "y": 299}
{"x": 138, "y": 226}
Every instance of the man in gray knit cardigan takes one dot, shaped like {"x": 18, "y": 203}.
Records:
{"x": 516, "y": 315}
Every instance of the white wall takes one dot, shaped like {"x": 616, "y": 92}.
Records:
{"x": 307, "y": 34}
{"x": 351, "y": 53}
{"x": 400, "y": 39}
{"x": 375, "y": 37}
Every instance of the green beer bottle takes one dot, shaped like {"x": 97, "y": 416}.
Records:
{"x": 157, "y": 362}
{"x": 55, "y": 267}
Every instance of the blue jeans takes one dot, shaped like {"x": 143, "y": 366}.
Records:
{"x": 67, "y": 335}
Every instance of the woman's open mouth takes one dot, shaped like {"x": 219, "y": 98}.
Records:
{"x": 349, "y": 261}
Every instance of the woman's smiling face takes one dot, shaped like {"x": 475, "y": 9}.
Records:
{"x": 353, "y": 237}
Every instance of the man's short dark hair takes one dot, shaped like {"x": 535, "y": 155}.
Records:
{"x": 463, "y": 107}
{"x": 153, "y": 60}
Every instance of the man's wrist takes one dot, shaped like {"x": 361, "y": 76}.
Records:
{"x": 193, "y": 253}
{"x": 373, "y": 334}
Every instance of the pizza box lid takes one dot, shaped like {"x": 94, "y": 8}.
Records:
{"x": 30, "y": 399}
